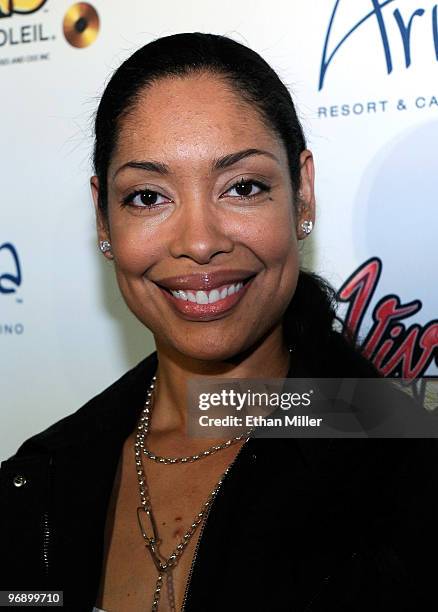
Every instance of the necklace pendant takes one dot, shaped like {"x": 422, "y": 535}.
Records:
{"x": 151, "y": 542}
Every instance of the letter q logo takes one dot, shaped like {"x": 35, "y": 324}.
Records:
{"x": 8, "y": 7}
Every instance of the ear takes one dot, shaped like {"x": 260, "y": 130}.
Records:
{"x": 101, "y": 221}
{"x": 306, "y": 195}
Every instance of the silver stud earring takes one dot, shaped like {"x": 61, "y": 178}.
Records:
{"x": 105, "y": 246}
{"x": 307, "y": 226}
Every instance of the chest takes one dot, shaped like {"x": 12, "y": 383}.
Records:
{"x": 178, "y": 493}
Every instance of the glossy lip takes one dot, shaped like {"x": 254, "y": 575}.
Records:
{"x": 205, "y": 281}
{"x": 206, "y": 312}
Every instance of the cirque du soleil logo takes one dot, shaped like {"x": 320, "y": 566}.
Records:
{"x": 8, "y": 7}
{"x": 381, "y": 13}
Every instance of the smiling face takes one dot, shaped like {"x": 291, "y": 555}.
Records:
{"x": 201, "y": 219}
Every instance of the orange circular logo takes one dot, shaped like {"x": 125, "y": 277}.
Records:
{"x": 81, "y": 25}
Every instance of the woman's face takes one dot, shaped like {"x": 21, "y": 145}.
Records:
{"x": 201, "y": 219}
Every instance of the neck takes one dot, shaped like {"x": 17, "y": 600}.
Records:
{"x": 270, "y": 358}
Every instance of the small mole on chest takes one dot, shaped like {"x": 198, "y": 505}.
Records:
{"x": 178, "y": 533}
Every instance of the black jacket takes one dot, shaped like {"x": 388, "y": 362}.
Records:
{"x": 298, "y": 525}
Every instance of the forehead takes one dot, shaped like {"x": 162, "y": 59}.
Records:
{"x": 197, "y": 116}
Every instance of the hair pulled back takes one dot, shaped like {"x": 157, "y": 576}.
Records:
{"x": 188, "y": 53}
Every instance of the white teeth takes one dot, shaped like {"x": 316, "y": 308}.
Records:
{"x": 213, "y": 296}
{"x": 201, "y": 297}
{"x": 206, "y": 297}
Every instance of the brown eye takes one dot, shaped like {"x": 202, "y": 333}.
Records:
{"x": 247, "y": 189}
{"x": 148, "y": 198}
{"x": 143, "y": 198}
{"x": 244, "y": 188}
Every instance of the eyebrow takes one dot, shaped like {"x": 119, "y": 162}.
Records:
{"x": 218, "y": 164}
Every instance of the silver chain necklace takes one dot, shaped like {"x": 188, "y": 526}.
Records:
{"x": 152, "y": 542}
{"x": 144, "y": 424}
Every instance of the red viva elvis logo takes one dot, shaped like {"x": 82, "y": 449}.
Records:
{"x": 394, "y": 348}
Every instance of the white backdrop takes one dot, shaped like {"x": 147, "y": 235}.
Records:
{"x": 363, "y": 73}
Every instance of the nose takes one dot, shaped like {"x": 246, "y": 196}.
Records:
{"x": 199, "y": 233}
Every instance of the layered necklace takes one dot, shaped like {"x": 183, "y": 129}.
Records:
{"x": 165, "y": 566}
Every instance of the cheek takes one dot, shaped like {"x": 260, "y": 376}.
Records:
{"x": 135, "y": 247}
{"x": 271, "y": 236}
{"x": 276, "y": 245}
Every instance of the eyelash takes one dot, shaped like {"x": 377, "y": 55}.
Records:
{"x": 127, "y": 201}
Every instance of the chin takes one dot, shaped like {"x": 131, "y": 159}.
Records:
{"x": 210, "y": 350}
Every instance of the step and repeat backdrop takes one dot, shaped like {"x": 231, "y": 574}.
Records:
{"x": 364, "y": 77}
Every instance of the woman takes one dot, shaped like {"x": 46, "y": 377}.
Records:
{"x": 203, "y": 189}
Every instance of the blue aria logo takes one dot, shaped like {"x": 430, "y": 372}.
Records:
{"x": 10, "y": 278}
{"x": 381, "y": 17}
